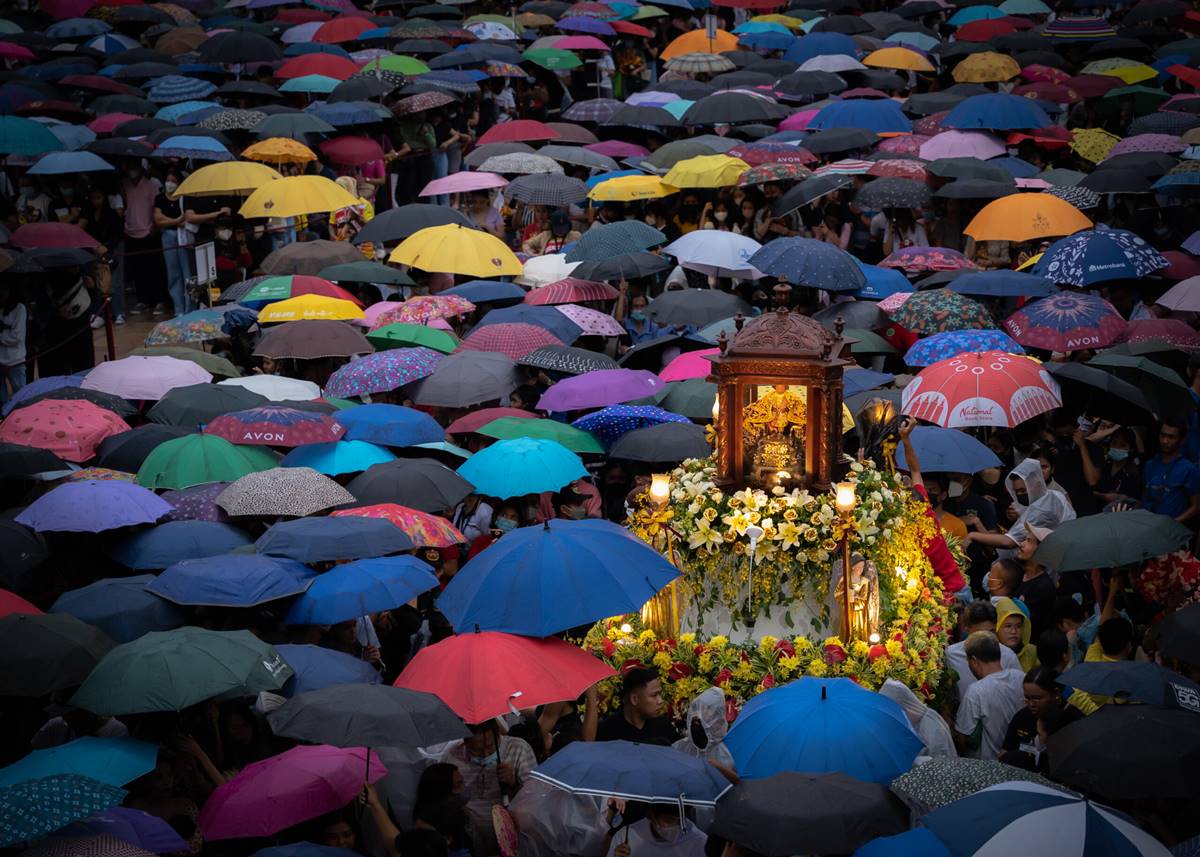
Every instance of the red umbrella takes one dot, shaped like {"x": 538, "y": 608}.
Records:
{"x": 71, "y": 429}
{"x": 1053, "y": 137}
{"x": 1183, "y": 265}
{"x": 1056, "y": 92}
{"x": 569, "y": 132}
{"x": 476, "y": 420}
{"x": 571, "y": 291}
{"x": 352, "y": 150}
{"x": 99, "y": 83}
{"x": 341, "y": 29}
{"x": 62, "y": 9}
{"x": 512, "y": 339}
{"x": 1044, "y": 74}
{"x": 989, "y": 388}
{"x": 57, "y": 236}
{"x": 487, "y": 674}
{"x": 862, "y": 92}
{"x": 518, "y": 131}
{"x": 11, "y": 604}
{"x": 1172, "y": 331}
{"x": 301, "y": 16}
{"x": 276, "y": 425}
{"x": 984, "y": 30}
{"x": 628, "y": 28}
{"x": 1094, "y": 85}
{"x": 108, "y": 123}
{"x": 9, "y": 51}
{"x": 329, "y": 65}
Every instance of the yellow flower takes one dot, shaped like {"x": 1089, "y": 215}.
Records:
{"x": 817, "y": 668}
{"x": 646, "y": 637}
{"x": 662, "y": 660}
{"x": 705, "y": 663}
{"x": 710, "y": 514}
{"x": 744, "y": 671}
{"x": 790, "y": 515}
{"x": 704, "y": 536}
{"x": 789, "y": 663}
{"x": 894, "y": 649}
{"x": 718, "y": 642}
{"x": 767, "y": 643}
{"x": 859, "y": 649}
{"x": 788, "y": 533}
{"x": 688, "y": 638}
{"x": 737, "y": 522}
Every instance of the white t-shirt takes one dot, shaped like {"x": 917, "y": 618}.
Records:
{"x": 993, "y": 700}
{"x": 956, "y": 659}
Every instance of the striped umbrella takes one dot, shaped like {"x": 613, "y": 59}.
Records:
{"x": 176, "y": 88}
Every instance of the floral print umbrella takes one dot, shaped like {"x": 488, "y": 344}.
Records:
{"x": 909, "y": 144}
{"x": 899, "y": 168}
{"x": 197, "y": 326}
{"x": 31, "y": 809}
{"x": 592, "y": 322}
{"x": 776, "y": 172}
{"x": 424, "y": 529}
{"x": 383, "y": 371}
{"x": 944, "y": 780}
{"x": 927, "y": 259}
{"x": 424, "y": 308}
{"x": 941, "y": 310}
{"x": 611, "y": 423}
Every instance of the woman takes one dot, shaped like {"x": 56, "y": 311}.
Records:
{"x": 1034, "y": 502}
{"x": 903, "y": 230}
{"x": 552, "y": 240}
{"x": 483, "y": 214}
{"x": 171, "y": 220}
{"x": 746, "y": 212}
{"x": 1022, "y": 746}
{"x": 1118, "y": 477}
{"x": 506, "y": 518}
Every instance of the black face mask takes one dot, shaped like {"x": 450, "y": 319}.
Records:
{"x": 699, "y": 736}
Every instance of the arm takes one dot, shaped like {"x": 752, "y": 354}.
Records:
{"x": 910, "y": 454}
{"x": 388, "y": 832}
{"x": 1090, "y": 472}
{"x": 591, "y": 714}
{"x": 844, "y": 238}
{"x": 1109, "y": 611}
{"x": 191, "y": 216}
{"x": 163, "y": 222}
{"x": 1191, "y": 511}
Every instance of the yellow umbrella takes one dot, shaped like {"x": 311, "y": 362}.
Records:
{"x": 1093, "y": 144}
{"x": 1133, "y": 73}
{"x": 296, "y": 195}
{"x": 455, "y": 249}
{"x": 629, "y": 188}
{"x": 785, "y": 20}
{"x": 901, "y": 58}
{"x": 279, "y": 150}
{"x": 697, "y": 42}
{"x": 708, "y": 171}
{"x": 986, "y": 67}
{"x": 1026, "y": 217}
{"x": 534, "y": 20}
{"x": 1030, "y": 262}
{"x": 231, "y": 177}
{"x": 308, "y": 307}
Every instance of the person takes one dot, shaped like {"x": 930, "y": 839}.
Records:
{"x": 976, "y": 616}
{"x": 938, "y": 553}
{"x": 68, "y": 723}
{"x": 903, "y": 230}
{"x": 637, "y": 323}
{"x": 473, "y": 517}
{"x": 570, "y": 505}
{"x": 1172, "y": 483}
{"x": 1036, "y": 590}
{"x": 1013, "y": 629}
{"x": 641, "y": 717}
{"x": 1021, "y": 747}
{"x": 441, "y": 805}
{"x": 171, "y": 221}
{"x": 14, "y": 318}
{"x": 661, "y": 832}
{"x": 1118, "y": 477}
{"x": 705, "y": 728}
{"x": 1004, "y": 579}
{"x": 483, "y": 214}
{"x": 1034, "y": 500}
{"x": 493, "y": 767}
{"x": 102, "y": 223}
{"x": 931, "y": 728}
{"x": 142, "y": 263}
{"x": 553, "y": 239}
{"x": 989, "y": 704}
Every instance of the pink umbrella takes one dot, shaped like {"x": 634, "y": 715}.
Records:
{"x": 512, "y": 339}
{"x": 463, "y": 182}
{"x": 372, "y": 313}
{"x": 1169, "y": 330}
{"x": 9, "y": 51}
{"x": 144, "y": 377}
{"x": 690, "y": 365}
{"x": 276, "y": 793}
{"x": 71, "y": 429}
{"x": 1033, "y": 183}
{"x": 894, "y": 301}
{"x": 571, "y": 290}
{"x": 908, "y": 144}
{"x": 107, "y": 123}
{"x": 798, "y": 121}
{"x": 59, "y": 236}
{"x": 581, "y": 43}
{"x": 963, "y": 144}
{"x": 1168, "y": 143}
{"x": 591, "y": 321}
{"x": 618, "y": 149}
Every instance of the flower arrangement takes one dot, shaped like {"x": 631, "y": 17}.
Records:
{"x": 1170, "y": 580}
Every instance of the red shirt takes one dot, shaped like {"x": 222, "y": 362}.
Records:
{"x": 943, "y": 562}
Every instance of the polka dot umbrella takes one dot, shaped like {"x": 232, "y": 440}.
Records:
{"x": 383, "y": 371}
{"x": 611, "y": 423}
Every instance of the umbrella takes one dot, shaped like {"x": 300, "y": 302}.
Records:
{"x": 940, "y": 311}
{"x": 12, "y": 604}
{"x": 630, "y": 771}
{"x": 1093, "y": 256}
{"x": 598, "y": 389}
{"x": 197, "y": 326}
{"x": 697, "y": 306}
{"x": 1001, "y": 284}
{"x": 980, "y": 389}
{"x": 821, "y": 726}
{"x": 125, "y": 825}
{"x": 1115, "y": 394}
{"x": 942, "y": 346}
{"x": 1135, "y": 681}
{"x": 232, "y": 580}
{"x": 382, "y": 372}
{"x": 548, "y": 318}
{"x": 196, "y": 459}
{"x": 72, "y": 430}
{"x": 282, "y": 791}
{"x": 309, "y": 340}
{"x": 113, "y": 761}
{"x": 512, "y": 468}
{"x": 468, "y": 378}
{"x": 173, "y": 541}
{"x": 337, "y": 458}
{"x": 20, "y": 136}
{"x": 1026, "y": 217}
{"x": 46, "y": 653}
{"x": 568, "y": 361}
{"x": 917, "y": 842}
{"x": 883, "y": 116}
{"x": 1114, "y": 539}
{"x": 365, "y": 272}
{"x": 31, "y": 809}
{"x": 665, "y": 442}
{"x": 941, "y": 781}
{"x": 625, "y": 266}
{"x": 555, "y": 577}
{"x": 92, "y": 506}
{"x": 291, "y": 491}
{"x": 614, "y": 239}
{"x": 1067, "y": 321}
{"x": 292, "y": 286}
{"x": 309, "y": 307}
{"x": 144, "y": 377}
{"x": 316, "y": 667}
{"x": 552, "y": 189}
{"x": 612, "y": 422}
{"x": 424, "y": 529}
{"x": 454, "y": 249}
{"x": 275, "y": 425}
{"x": 808, "y": 262}
{"x": 513, "y": 340}
{"x": 722, "y": 254}
{"x": 1162, "y": 386}
{"x": 510, "y": 428}
{"x": 389, "y": 425}
{"x": 314, "y": 540}
{"x": 481, "y": 675}
{"x": 734, "y": 108}
{"x": 366, "y": 586}
{"x": 997, "y": 111}
{"x": 421, "y": 483}
{"x": 107, "y": 401}
{"x": 893, "y": 193}
{"x": 790, "y": 812}
{"x": 120, "y": 607}
{"x": 198, "y": 404}
{"x": 942, "y": 450}
{"x": 571, "y": 290}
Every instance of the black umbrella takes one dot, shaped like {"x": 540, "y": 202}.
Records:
{"x": 928, "y": 103}
{"x": 1115, "y": 180}
{"x": 42, "y": 654}
{"x": 877, "y": 78}
{"x": 1102, "y": 393}
{"x": 423, "y": 47}
{"x": 1040, "y": 56}
{"x": 328, "y": 538}
{"x": 692, "y": 90}
{"x": 234, "y": 47}
{"x": 1179, "y": 635}
{"x": 567, "y": 360}
{"x": 967, "y": 168}
{"x": 696, "y": 307}
{"x": 775, "y": 67}
{"x": 794, "y": 813}
{"x": 1149, "y": 163}
{"x": 743, "y": 79}
{"x": 254, "y": 88}
{"x": 918, "y": 8}
{"x": 200, "y": 404}
{"x": 893, "y": 193}
{"x": 649, "y": 355}
{"x": 733, "y": 108}
{"x": 392, "y": 227}
{"x": 850, "y": 25}
{"x": 809, "y": 190}
{"x": 840, "y": 140}
{"x": 802, "y": 84}
{"x": 363, "y": 88}
{"x": 627, "y": 267}
{"x": 1129, "y": 752}
{"x": 1163, "y": 388}
{"x": 865, "y": 315}
{"x": 642, "y": 114}
{"x": 161, "y": 134}
{"x": 23, "y": 550}
{"x": 1154, "y": 10}
{"x": 145, "y": 70}
{"x": 667, "y": 442}
{"x": 976, "y": 189}
{"x": 468, "y": 378}
{"x": 954, "y": 51}
{"x": 1013, "y": 42}
{"x": 119, "y": 103}
{"x": 126, "y": 451}
{"x": 1169, "y": 122}
{"x": 139, "y": 127}
{"x": 481, "y": 153}
{"x": 1114, "y": 539}
{"x": 116, "y": 404}
{"x": 741, "y": 59}
{"x": 20, "y": 462}
{"x": 1135, "y": 681}
{"x": 419, "y": 483}
{"x": 367, "y": 715}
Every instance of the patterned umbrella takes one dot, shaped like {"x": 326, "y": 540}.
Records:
{"x": 1147, "y": 143}
{"x": 1093, "y": 144}
{"x": 197, "y": 326}
{"x": 512, "y": 339}
{"x": 275, "y": 425}
{"x": 566, "y": 360}
{"x": 1080, "y": 197}
{"x": 176, "y": 88}
{"x": 927, "y": 259}
{"x": 424, "y": 308}
{"x": 757, "y": 154}
{"x": 611, "y": 423}
{"x": 615, "y": 239}
{"x": 424, "y": 529}
{"x": 985, "y": 388}
{"x": 893, "y": 193}
{"x": 99, "y": 474}
{"x": 553, "y": 189}
{"x": 940, "y": 311}
{"x": 909, "y": 144}
{"x": 198, "y": 503}
{"x": 942, "y": 346}
{"x": 70, "y": 429}
{"x": 520, "y": 163}
{"x": 592, "y": 322}
{"x": 284, "y": 491}
{"x": 571, "y": 290}
{"x": 31, "y": 809}
{"x": 809, "y": 262}
{"x": 1094, "y": 256}
{"x": 597, "y": 110}
{"x": 773, "y": 172}
{"x": 1173, "y": 331}
{"x": 383, "y": 371}
{"x": 422, "y": 101}
{"x": 1067, "y": 321}
{"x": 233, "y": 120}
{"x": 899, "y": 168}
{"x": 700, "y": 63}
{"x": 944, "y": 780}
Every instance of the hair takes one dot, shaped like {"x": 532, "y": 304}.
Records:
{"x": 567, "y": 497}
{"x": 1053, "y": 719}
{"x": 1175, "y": 423}
{"x": 983, "y": 646}
{"x": 636, "y": 679}
{"x": 1066, "y": 607}
{"x": 436, "y": 783}
{"x": 1114, "y": 635}
{"x": 1045, "y": 678}
{"x": 1012, "y": 572}
{"x": 422, "y": 843}
{"x": 980, "y": 612}
{"x": 1052, "y": 646}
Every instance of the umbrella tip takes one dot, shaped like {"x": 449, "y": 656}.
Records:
{"x": 477, "y": 628}
{"x": 823, "y": 696}
{"x": 546, "y": 525}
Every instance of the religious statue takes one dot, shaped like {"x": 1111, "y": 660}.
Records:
{"x": 774, "y": 426}
{"x": 864, "y": 599}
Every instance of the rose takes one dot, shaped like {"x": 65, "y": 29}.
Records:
{"x": 834, "y": 654}
{"x": 678, "y": 671}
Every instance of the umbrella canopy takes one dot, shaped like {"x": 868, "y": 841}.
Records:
{"x": 313, "y": 540}
{"x": 611, "y": 423}
{"x": 539, "y": 581}
{"x": 317, "y": 667}
{"x": 196, "y": 459}
{"x": 942, "y": 346}
{"x": 1067, "y": 321}
{"x": 943, "y": 450}
{"x": 295, "y": 196}
{"x": 31, "y": 809}
{"x": 421, "y": 483}
{"x": 941, "y": 311}
{"x": 481, "y": 675}
{"x": 93, "y": 506}
{"x": 232, "y": 580}
{"x": 1116, "y": 539}
{"x": 120, "y": 607}
{"x": 456, "y": 250}
{"x": 311, "y": 339}
{"x": 46, "y": 653}
{"x": 72, "y": 430}
{"x": 359, "y": 588}
{"x": 614, "y": 239}
{"x": 173, "y": 541}
{"x": 695, "y": 306}
{"x": 808, "y": 262}
{"x": 599, "y": 388}
{"x": 199, "y": 404}
{"x": 512, "y": 468}
{"x": 113, "y": 761}
{"x": 124, "y": 825}
{"x": 275, "y": 425}
{"x": 468, "y": 378}
{"x": 382, "y": 372}
{"x": 144, "y": 377}
{"x": 389, "y": 425}
{"x": 1026, "y": 217}
{"x": 509, "y": 428}
{"x": 338, "y": 458}
{"x": 291, "y": 491}
{"x": 980, "y": 389}
{"x": 665, "y": 442}
{"x": 367, "y": 715}
{"x": 1136, "y": 681}
{"x": 1095, "y": 256}
{"x": 943, "y": 780}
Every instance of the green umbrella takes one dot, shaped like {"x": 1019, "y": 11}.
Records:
{"x": 509, "y": 428}
{"x": 365, "y": 272}
{"x": 40, "y": 654}
{"x": 1116, "y": 538}
{"x": 941, "y": 310}
{"x": 214, "y": 364}
{"x": 172, "y": 670}
{"x": 400, "y": 64}
{"x": 201, "y": 458}
{"x": 552, "y": 58}
{"x": 692, "y": 398}
{"x": 401, "y": 335}
{"x": 1164, "y": 389}
{"x": 868, "y": 342}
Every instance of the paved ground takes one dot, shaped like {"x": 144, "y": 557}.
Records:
{"x": 128, "y": 336}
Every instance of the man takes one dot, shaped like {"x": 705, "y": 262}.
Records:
{"x": 1068, "y": 467}
{"x": 1004, "y": 579}
{"x": 640, "y": 718}
{"x": 990, "y": 703}
{"x": 976, "y": 616}
{"x": 493, "y": 768}
{"x": 659, "y": 833}
{"x": 1172, "y": 483}
{"x": 143, "y": 263}
{"x": 1036, "y": 588}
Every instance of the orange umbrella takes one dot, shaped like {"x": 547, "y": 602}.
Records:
{"x": 424, "y": 529}
{"x": 697, "y": 41}
{"x": 1026, "y": 217}
{"x": 901, "y": 58}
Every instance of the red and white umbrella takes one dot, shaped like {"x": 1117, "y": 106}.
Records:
{"x": 990, "y": 388}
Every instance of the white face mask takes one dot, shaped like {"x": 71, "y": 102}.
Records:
{"x": 170, "y": 187}
{"x": 720, "y": 216}
{"x": 224, "y": 234}
{"x": 955, "y": 489}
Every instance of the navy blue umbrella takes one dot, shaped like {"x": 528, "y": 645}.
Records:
{"x": 329, "y": 538}
{"x": 808, "y": 262}
{"x": 121, "y": 607}
{"x": 358, "y": 588}
{"x": 483, "y": 291}
{"x": 1096, "y": 255}
{"x": 232, "y": 580}
{"x": 997, "y": 111}
{"x": 1135, "y": 681}
{"x": 1002, "y": 284}
{"x": 881, "y": 115}
{"x": 315, "y": 667}
{"x": 545, "y": 317}
{"x": 642, "y": 772}
{"x": 389, "y": 425}
{"x": 943, "y": 450}
{"x": 857, "y": 381}
{"x": 821, "y": 44}
{"x": 881, "y": 282}
{"x": 174, "y": 541}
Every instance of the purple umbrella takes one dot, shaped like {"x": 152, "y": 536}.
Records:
{"x": 584, "y": 24}
{"x": 92, "y": 507}
{"x": 599, "y": 389}
{"x": 138, "y": 828}
{"x": 41, "y": 385}
{"x": 144, "y": 377}
{"x": 198, "y": 503}
{"x": 383, "y": 371}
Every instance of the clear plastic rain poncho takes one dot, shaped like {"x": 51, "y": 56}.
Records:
{"x": 1042, "y": 506}
{"x": 704, "y": 732}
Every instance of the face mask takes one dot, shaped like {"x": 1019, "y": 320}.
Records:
{"x": 1118, "y": 454}
{"x": 170, "y": 187}
{"x": 720, "y": 216}
{"x": 134, "y": 175}
{"x": 1023, "y": 498}
{"x": 638, "y": 315}
{"x": 485, "y": 761}
{"x": 955, "y": 489}
{"x": 224, "y": 234}
{"x": 699, "y": 736}
{"x": 505, "y": 525}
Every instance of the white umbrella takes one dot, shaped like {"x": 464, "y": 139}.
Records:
{"x": 832, "y": 63}
{"x": 718, "y": 254}
{"x": 544, "y": 270}
{"x": 277, "y": 388}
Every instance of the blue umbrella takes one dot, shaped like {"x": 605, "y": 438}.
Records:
{"x": 642, "y": 772}
{"x": 114, "y": 761}
{"x": 174, "y": 541}
{"x": 93, "y": 506}
{"x": 1002, "y": 283}
{"x": 304, "y": 849}
{"x": 1019, "y": 168}
{"x": 39, "y": 386}
{"x": 77, "y": 28}
{"x": 603, "y": 177}
{"x": 197, "y": 148}
{"x": 176, "y": 89}
{"x": 997, "y": 111}
{"x": 525, "y": 465}
{"x": 327, "y": 538}
{"x": 482, "y": 291}
{"x": 973, "y": 13}
{"x": 310, "y": 83}
{"x": 340, "y": 114}
{"x": 943, "y": 450}
{"x": 133, "y": 826}
{"x": 881, "y": 282}
{"x": 767, "y": 41}
{"x": 172, "y": 112}
{"x": 31, "y": 809}
{"x": 358, "y": 588}
{"x": 823, "y": 725}
{"x": 121, "y": 607}
{"x": 111, "y": 43}
{"x": 315, "y": 667}
{"x": 389, "y": 425}
{"x": 943, "y": 346}
{"x": 1096, "y": 255}
{"x": 821, "y": 44}
{"x": 918, "y": 842}
{"x": 612, "y": 422}
{"x": 857, "y": 381}
{"x": 233, "y": 580}
{"x": 881, "y": 115}
{"x": 808, "y": 262}
{"x": 545, "y": 317}
{"x": 538, "y": 581}
{"x": 73, "y": 136}
{"x": 338, "y": 457}
{"x": 20, "y": 136}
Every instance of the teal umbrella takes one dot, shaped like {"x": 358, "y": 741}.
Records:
{"x": 20, "y": 136}
{"x": 31, "y": 809}
{"x": 1117, "y": 538}
{"x": 172, "y": 670}
{"x": 526, "y": 465}
{"x": 115, "y": 761}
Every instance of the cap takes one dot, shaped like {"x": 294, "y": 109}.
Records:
{"x": 990, "y": 475}
{"x": 560, "y": 222}
{"x": 1039, "y": 533}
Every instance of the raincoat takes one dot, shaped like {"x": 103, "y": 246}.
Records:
{"x": 1026, "y": 654}
{"x": 931, "y": 728}
{"x": 709, "y": 709}
{"x": 1043, "y": 506}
